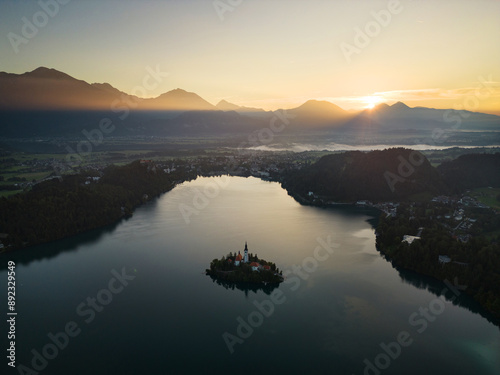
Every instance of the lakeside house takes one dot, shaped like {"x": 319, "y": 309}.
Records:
{"x": 238, "y": 259}
{"x": 255, "y": 266}
{"x": 409, "y": 239}
{"x": 443, "y": 259}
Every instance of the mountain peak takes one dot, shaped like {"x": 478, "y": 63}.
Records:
{"x": 319, "y": 113}
{"x": 320, "y": 106}
{"x": 399, "y": 105}
{"x": 179, "y": 93}
{"x": 224, "y": 105}
{"x": 46, "y": 73}
{"x": 382, "y": 106}
{"x": 180, "y": 99}
{"x": 103, "y": 85}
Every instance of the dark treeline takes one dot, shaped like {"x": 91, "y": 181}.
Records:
{"x": 226, "y": 270}
{"x": 475, "y": 264}
{"x": 396, "y": 174}
{"x": 471, "y": 171}
{"x": 354, "y": 176}
{"x": 73, "y": 204}
{"x": 393, "y": 174}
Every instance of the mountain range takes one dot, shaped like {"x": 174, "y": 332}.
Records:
{"x": 60, "y": 105}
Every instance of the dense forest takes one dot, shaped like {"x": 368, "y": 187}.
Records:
{"x": 475, "y": 263}
{"x": 68, "y": 205}
{"x": 226, "y": 270}
{"x": 393, "y": 174}
{"x": 354, "y": 176}
{"x": 471, "y": 171}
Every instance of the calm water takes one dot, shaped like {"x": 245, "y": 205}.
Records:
{"x": 171, "y": 318}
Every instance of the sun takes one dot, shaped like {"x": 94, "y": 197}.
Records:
{"x": 371, "y": 101}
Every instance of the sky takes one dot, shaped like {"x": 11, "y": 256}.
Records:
{"x": 268, "y": 53}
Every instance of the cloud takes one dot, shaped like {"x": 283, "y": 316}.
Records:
{"x": 439, "y": 93}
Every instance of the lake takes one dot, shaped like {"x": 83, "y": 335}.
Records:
{"x": 133, "y": 298}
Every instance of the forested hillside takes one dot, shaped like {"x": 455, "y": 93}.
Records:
{"x": 393, "y": 174}
{"x": 73, "y": 204}
{"x": 471, "y": 171}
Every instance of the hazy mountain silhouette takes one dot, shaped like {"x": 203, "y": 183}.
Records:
{"x": 318, "y": 114}
{"x": 49, "y": 89}
{"x": 401, "y": 118}
{"x": 107, "y": 87}
{"x": 49, "y": 102}
{"x": 399, "y": 106}
{"x": 177, "y": 100}
{"x": 224, "y": 105}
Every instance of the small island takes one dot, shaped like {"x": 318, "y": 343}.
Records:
{"x": 246, "y": 268}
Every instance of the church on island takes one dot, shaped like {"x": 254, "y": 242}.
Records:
{"x": 244, "y": 259}
{"x": 244, "y": 267}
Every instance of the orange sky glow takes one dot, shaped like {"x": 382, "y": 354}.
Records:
{"x": 271, "y": 54}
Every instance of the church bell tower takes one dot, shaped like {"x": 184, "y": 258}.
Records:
{"x": 245, "y": 258}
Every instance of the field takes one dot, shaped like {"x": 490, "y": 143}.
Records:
{"x": 487, "y": 196}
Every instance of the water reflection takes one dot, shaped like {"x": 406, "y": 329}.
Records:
{"x": 335, "y": 316}
{"x": 53, "y": 249}
{"x": 245, "y": 287}
{"x": 439, "y": 288}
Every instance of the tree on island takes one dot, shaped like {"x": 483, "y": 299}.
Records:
{"x": 255, "y": 271}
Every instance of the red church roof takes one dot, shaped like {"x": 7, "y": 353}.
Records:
{"x": 254, "y": 264}
{"x": 239, "y": 257}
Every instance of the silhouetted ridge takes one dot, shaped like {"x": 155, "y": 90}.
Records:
{"x": 472, "y": 171}
{"x": 46, "y": 73}
{"x": 356, "y": 175}
{"x": 399, "y": 105}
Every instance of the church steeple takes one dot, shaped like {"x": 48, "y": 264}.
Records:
{"x": 245, "y": 258}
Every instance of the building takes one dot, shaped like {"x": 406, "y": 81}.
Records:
{"x": 409, "y": 239}
{"x": 245, "y": 258}
{"x": 443, "y": 259}
{"x": 238, "y": 259}
{"x": 255, "y": 266}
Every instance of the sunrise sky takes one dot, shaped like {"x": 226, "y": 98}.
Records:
{"x": 270, "y": 54}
